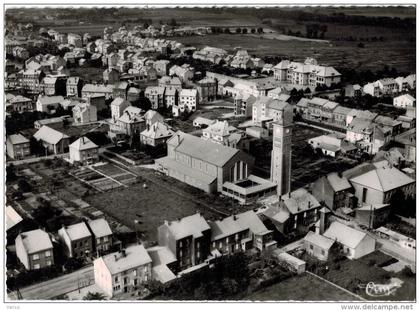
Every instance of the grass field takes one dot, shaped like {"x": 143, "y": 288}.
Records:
{"x": 155, "y": 203}
{"x": 342, "y": 54}
{"x": 301, "y": 288}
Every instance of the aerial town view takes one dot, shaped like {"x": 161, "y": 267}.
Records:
{"x": 210, "y": 154}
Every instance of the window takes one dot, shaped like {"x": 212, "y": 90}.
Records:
{"x": 311, "y": 246}
{"x": 116, "y": 279}
{"x": 322, "y": 252}
{"x": 364, "y": 195}
{"x": 135, "y": 272}
{"x": 35, "y": 257}
{"x": 36, "y": 266}
{"x": 47, "y": 253}
{"x": 180, "y": 244}
{"x": 49, "y": 262}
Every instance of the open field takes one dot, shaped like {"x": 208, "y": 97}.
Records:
{"x": 155, "y": 203}
{"x": 301, "y": 288}
{"x": 341, "y": 54}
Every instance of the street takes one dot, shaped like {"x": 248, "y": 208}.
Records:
{"x": 58, "y": 286}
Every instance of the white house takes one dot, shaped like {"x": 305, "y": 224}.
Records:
{"x": 83, "y": 150}
{"x": 355, "y": 243}
{"x": 404, "y": 101}
{"x": 124, "y": 271}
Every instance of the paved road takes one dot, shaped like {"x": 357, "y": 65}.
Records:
{"x": 57, "y": 286}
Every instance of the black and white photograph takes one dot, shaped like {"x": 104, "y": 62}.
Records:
{"x": 209, "y": 153}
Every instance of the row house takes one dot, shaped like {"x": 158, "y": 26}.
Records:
{"x": 170, "y": 83}
{"x": 34, "y": 249}
{"x": 52, "y": 85}
{"x": 156, "y": 96}
{"x": 243, "y": 104}
{"x": 92, "y": 90}
{"x": 388, "y": 86}
{"x": 188, "y": 101}
{"x": 74, "y": 87}
{"x": 84, "y": 113}
{"x": 124, "y": 271}
{"x": 30, "y": 80}
{"x": 171, "y": 97}
{"x": 188, "y": 239}
{"x": 77, "y": 240}
{"x": 19, "y": 103}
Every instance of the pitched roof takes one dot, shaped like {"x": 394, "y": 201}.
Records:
{"x": 383, "y": 178}
{"x": 158, "y": 130}
{"x": 338, "y": 183}
{"x": 100, "y": 227}
{"x": 251, "y": 220}
{"x": 191, "y": 225}
{"x": 119, "y": 101}
{"x": 205, "y": 150}
{"x": 188, "y": 92}
{"x": 299, "y": 200}
{"x": 16, "y": 139}
{"x": 226, "y": 227}
{"x": 12, "y": 217}
{"x": 135, "y": 256}
{"x": 77, "y": 231}
{"x": 97, "y": 88}
{"x": 50, "y": 100}
{"x": 35, "y": 241}
{"x": 319, "y": 240}
{"x": 161, "y": 255}
{"x": 49, "y": 135}
{"x": 344, "y": 234}
{"x": 83, "y": 143}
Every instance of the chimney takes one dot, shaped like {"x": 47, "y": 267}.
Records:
{"x": 116, "y": 257}
{"x": 340, "y": 174}
{"x": 290, "y": 195}
{"x": 123, "y": 254}
{"x": 309, "y": 204}
{"x": 322, "y": 220}
{"x": 234, "y": 217}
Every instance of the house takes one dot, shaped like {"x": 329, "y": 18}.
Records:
{"x": 34, "y": 249}
{"x": 296, "y": 211}
{"x": 17, "y": 146}
{"x": 188, "y": 100}
{"x": 74, "y": 87}
{"x": 266, "y": 110}
{"x": 130, "y": 122}
{"x": 207, "y": 90}
{"x": 48, "y": 104}
{"x": 77, "y": 240}
{"x": 162, "y": 67}
{"x": 187, "y": 238}
{"x": 156, "y": 134}
{"x": 84, "y": 113}
{"x": 402, "y": 84}
{"x": 331, "y": 145}
{"x": 243, "y": 104}
{"x": 204, "y": 164}
{"x": 133, "y": 94}
{"x": 388, "y": 123}
{"x": 83, "y": 151}
{"x": 373, "y": 215}
{"x": 53, "y": 85}
{"x": 124, "y": 271}
{"x": 20, "y": 103}
{"x": 152, "y": 116}
{"x": 334, "y": 190}
{"x": 184, "y": 73}
{"x": 170, "y": 83}
{"x": 53, "y": 141}
{"x": 111, "y": 76}
{"x": 164, "y": 264}
{"x": 120, "y": 90}
{"x": 354, "y": 243}
{"x": 201, "y": 122}
{"x": 102, "y": 236}
{"x": 91, "y": 90}
{"x": 118, "y": 105}
{"x": 30, "y": 80}
{"x": 388, "y": 86}
{"x": 171, "y": 97}
{"x": 372, "y": 89}
{"x": 411, "y": 81}
{"x": 404, "y": 101}
{"x": 240, "y": 232}
{"x": 156, "y": 96}
{"x": 317, "y": 245}
{"x": 377, "y": 185}
{"x": 407, "y": 140}
{"x": 307, "y": 73}
{"x": 354, "y": 90}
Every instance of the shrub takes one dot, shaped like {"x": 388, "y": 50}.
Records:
{"x": 371, "y": 262}
{"x": 407, "y": 272}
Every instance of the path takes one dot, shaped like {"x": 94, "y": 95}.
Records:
{"x": 336, "y": 286}
{"x": 57, "y": 286}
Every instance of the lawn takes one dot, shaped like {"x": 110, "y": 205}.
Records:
{"x": 155, "y": 203}
{"x": 352, "y": 273}
{"x": 300, "y": 288}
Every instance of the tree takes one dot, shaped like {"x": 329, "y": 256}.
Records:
{"x": 146, "y": 25}
{"x": 361, "y": 45}
{"x": 238, "y": 30}
{"x": 173, "y": 22}
{"x": 245, "y": 30}
{"x": 23, "y": 185}
{"x": 260, "y": 30}
{"x": 227, "y": 30}
{"x": 94, "y": 296}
